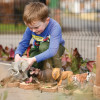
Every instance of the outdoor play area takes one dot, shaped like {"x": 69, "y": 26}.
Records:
{"x": 78, "y": 77}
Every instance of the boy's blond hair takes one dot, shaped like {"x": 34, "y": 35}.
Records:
{"x": 35, "y": 11}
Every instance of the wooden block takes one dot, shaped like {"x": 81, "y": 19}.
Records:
{"x": 48, "y": 88}
{"x": 15, "y": 84}
{"x": 25, "y": 86}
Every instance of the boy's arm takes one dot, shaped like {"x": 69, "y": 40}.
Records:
{"x": 24, "y": 42}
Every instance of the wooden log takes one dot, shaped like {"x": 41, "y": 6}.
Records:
{"x": 98, "y": 67}
{"x": 96, "y": 88}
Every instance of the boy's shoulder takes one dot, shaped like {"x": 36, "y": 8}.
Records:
{"x": 54, "y": 23}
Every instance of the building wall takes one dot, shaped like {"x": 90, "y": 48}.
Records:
{"x": 6, "y": 1}
{"x": 6, "y": 12}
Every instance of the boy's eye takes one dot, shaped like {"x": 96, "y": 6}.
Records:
{"x": 36, "y": 27}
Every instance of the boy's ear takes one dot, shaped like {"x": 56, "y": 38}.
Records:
{"x": 48, "y": 19}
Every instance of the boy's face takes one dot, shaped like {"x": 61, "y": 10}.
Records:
{"x": 38, "y": 27}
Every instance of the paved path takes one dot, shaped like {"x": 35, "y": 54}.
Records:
{"x": 20, "y": 94}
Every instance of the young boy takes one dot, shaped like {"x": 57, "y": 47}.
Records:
{"x": 46, "y": 32}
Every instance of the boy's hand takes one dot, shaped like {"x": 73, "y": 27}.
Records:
{"x": 17, "y": 58}
{"x": 30, "y": 61}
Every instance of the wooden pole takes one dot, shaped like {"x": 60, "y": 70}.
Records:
{"x": 96, "y": 88}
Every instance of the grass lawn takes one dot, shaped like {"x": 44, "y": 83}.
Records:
{"x": 12, "y": 27}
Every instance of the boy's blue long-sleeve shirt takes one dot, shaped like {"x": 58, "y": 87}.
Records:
{"x": 53, "y": 30}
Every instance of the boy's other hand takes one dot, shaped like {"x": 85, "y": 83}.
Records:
{"x": 17, "y": 58}
{"x": 30, "y": 61}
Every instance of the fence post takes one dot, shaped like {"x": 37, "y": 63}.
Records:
{"x": 96, "y": 88}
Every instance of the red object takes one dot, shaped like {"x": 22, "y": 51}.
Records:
{"x": 65, "y": 58}
{"x": 11, "y": 53}
{"x": 29, "y": 80}
{"x": 7, "y": 50}
{"x": 1, "y": 47}
{"x": 37, "y": 44}
{"x": 90, "y": 65}
{"x": 45, "y": 39}
{"x": 28, "y": 50}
